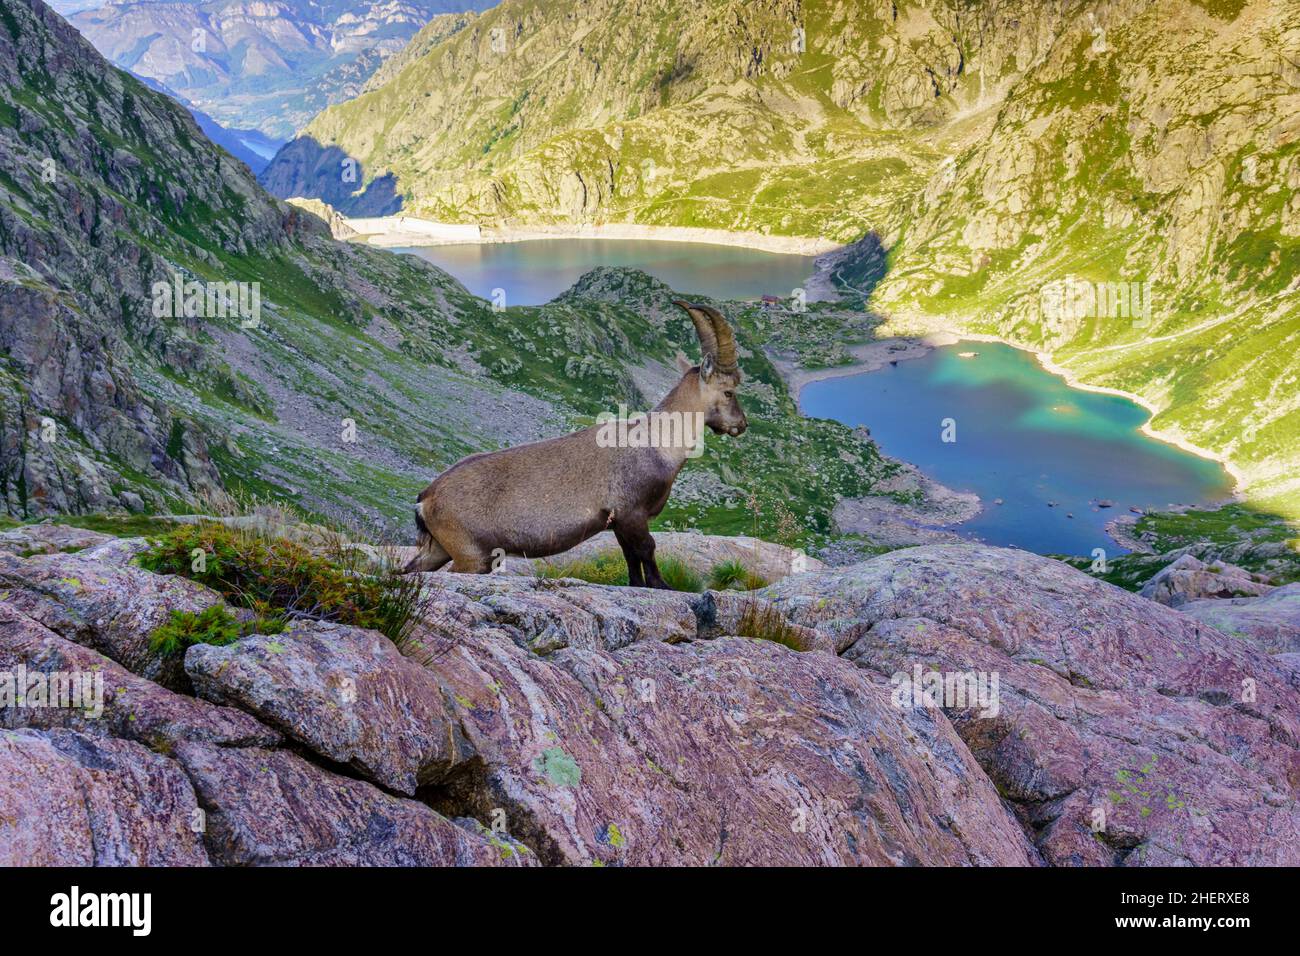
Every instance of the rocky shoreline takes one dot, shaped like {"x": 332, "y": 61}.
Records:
{"x": 391, "y": 231}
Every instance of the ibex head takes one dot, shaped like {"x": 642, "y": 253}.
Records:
{"x": 719, "y": 373}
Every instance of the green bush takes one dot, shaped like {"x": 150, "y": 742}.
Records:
{"x": 278, "y": 578}
{"x": 216, "y": 625}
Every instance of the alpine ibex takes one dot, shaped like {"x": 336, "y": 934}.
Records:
{"x": 540, "y": 499}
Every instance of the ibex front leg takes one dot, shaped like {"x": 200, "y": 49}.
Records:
{"x": 639, "y": 551}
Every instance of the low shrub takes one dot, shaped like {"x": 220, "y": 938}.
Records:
{"x": 216, "y": 625}
{"x": 276, "y": 577}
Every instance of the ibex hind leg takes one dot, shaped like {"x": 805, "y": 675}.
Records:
{"x": 431, "y": 555}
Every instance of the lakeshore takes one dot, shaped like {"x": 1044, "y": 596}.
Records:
{"x": 400, "y": 231}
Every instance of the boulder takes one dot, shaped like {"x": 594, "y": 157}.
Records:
{"x": 1125, "y": 732}
{"x": 109, "y": 607}
{"x": 547, "y": 614}
{"x": 273, "y": 808}
{"x": 1191, "y": 579}
{"x": 345, "y": 693}
{"x": 703, "y": 552}
{"x": 1271, "y": 622}
{"x": 67, "y": 799}
{"x": 49, "y": 538}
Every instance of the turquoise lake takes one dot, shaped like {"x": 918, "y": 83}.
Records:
{"x": 1022, "y": 435}
{"x": 538, "y": 270}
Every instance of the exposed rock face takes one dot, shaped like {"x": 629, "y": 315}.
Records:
{"x": 1190, "y": 579}
{"x": 274, "y": 808}
{"x": 67, "y": 799}
{"x": 730, "y": 751}
{"x": 109, "y": 608}
{"x": 355, "y": 699}
{"x": 133, "y": 707}
{"x": 1271, "y": 622}
{"x": 551, "y": 721}
{"x": 1180, "y": 744}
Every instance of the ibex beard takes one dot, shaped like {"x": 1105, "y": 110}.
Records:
{"x": 544, "y": 498}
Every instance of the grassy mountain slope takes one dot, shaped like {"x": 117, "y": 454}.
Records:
{"x": 1004, "y": 154}
{"x": 113, "y": 188}
{"x": 1157, "y": 144}
{"x": 678, "y": 112}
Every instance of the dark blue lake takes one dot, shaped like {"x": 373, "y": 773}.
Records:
{"x": 1022, "y": 435}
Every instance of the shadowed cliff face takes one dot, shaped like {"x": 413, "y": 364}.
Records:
{"x": 305, "y": 168}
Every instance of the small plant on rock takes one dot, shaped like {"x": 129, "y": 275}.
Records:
{"x": 733, "y": 575}
{"x": 272, "y": 575}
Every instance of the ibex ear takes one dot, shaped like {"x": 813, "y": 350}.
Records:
{"x": 706, "y": 367}
{"x": 683, "y": 363}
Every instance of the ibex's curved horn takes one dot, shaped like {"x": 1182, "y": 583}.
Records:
{"x": 704, "y": 327}
{"x": 725, "y": 357}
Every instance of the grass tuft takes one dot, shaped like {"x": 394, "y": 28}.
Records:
{"x": 762, "y": 621}
{"x": 733, "y": 575}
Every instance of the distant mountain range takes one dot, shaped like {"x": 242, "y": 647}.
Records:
{"x": 268, "y": 65}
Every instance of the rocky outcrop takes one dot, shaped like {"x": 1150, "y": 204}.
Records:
{"x": 48, "y": 538}
{"x": 547, "y": 721}
{"x": 355, "y": 699}
{"x": 1190, "y": 579}
{"x": 1270, "y": 622}
{"x": 67, "y": 799}
{"x": 1125, "y": 731}
{"x": 111, "y": 608}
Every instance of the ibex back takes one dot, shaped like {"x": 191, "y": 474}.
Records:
{"x": 541, "y": 499}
